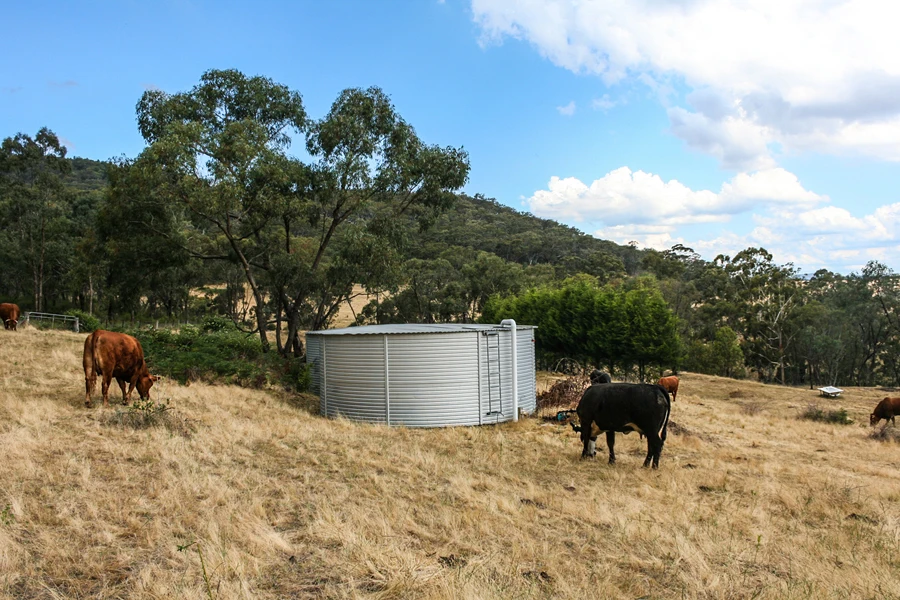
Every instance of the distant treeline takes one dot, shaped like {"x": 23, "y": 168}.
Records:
{"x": 215, "y": 217}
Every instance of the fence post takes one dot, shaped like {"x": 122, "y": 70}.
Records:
{"x": 76, "y": 325}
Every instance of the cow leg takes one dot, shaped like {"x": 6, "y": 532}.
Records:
{"x": 654, "y": 449}
{"x": 90, "y": 382}
{"x": 125, "y": 397}
{"x": 107, "y": 379}
{"x": 611, "y": 444}
{"x": 590, "y": 443}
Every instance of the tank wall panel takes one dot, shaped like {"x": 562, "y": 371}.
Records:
{"x": 313, "y": 359}
{"x": 526, "y": 374}
{"x": 433, "y": 379}
{"x": 354, "y": 378}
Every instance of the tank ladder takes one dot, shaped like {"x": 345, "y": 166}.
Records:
{"x": 495, "y": 389}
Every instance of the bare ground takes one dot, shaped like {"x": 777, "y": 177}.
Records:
{"x": 277, "y": 502}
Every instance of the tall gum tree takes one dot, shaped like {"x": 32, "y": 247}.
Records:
{"x": 369, "y": 171}
{"x": 220, "y": 153}
{"x": 33, "y": 203}
{"x": 302, "y": 233}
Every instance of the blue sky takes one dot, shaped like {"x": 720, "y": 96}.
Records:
{"x": 719, "y": 124}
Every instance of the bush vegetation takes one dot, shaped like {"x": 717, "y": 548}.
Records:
{"x": 626, "y": 329}
{"x": 86, "y": 321}
{"x": 814, "y": 412}
{"x": 216, "y": 351}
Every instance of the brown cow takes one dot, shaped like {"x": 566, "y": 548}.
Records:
{"x": 118, "y": 355}
{"x": 887, "y": 409}
{"x": 670, "y": 384}
{"x": 10, "y": 315}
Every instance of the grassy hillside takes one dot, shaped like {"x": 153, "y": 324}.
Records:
{"x": 749, "y": 502}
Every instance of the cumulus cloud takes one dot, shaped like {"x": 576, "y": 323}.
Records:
{"x": 568, "y": 110}
{"x": 819, "y": 75}
{"x": 603, "y": 103}
{"x": 623, "y": 197}
{"x": 795, "y": 224}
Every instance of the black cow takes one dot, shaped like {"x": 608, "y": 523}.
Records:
{"x": 598, "y": 376}
{"x": 624, "y": 407}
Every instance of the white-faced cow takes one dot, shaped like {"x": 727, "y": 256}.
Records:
{"x": 624, "y": 407}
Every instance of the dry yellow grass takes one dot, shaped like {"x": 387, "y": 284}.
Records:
{"x": 749, "y": 501}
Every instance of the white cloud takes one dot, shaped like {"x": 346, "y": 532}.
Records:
{"x": 795, "y": 224}
{"x": 819, "y": 75}
{"x": 623, "y": 197}
{"x": 568, "y": 110}
{"x": 603, "y": 103}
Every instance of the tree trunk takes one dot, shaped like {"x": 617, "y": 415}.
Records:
{"x": 278, "y": 345}
{"x": 257, "y": 294}
{"x": 40, "y": 290}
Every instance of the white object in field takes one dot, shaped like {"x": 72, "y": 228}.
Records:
{"x": 830, "y": 391}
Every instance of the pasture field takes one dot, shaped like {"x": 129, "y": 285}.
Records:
{"x": 251, "y": 494}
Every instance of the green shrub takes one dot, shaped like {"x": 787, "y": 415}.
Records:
{"x": 814, "y": 413}
{"x": 223, "y": 356}
{"x": 86, "y": 321}
{"x": 216, "y": 324}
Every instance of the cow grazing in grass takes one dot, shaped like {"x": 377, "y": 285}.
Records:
{"x": 670, "y": 384}
{"x": 118, "y": 355}
{"x": 9, "y": 313}
{"x": 598, "y": 376}
{"x": 624, "y": 407}
{"x": 887, "y": 409}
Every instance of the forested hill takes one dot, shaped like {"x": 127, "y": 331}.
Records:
{"x": 477, "y": 223}
{"x": 484, "y": 224}
{"x": 87, "y": 175}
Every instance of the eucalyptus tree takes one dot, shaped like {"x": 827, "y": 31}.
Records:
{"x": 34, "y": 208}
{"x": 217, "y": 153}
{"x": 764, "y": 298}
{"x": 217, "y": 180}
{"x": 370, "y": 172}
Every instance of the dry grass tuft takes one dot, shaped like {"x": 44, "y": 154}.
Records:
{"x": 266, "y": 499}
{"x": 142, "y": 414}
{"x": 885, "y": 433}
{"x": 751, "y": 408}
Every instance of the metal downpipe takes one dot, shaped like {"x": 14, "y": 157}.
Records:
{"x": 511, "y": 323}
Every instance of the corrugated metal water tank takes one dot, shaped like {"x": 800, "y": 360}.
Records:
{"x": 429, "y": 375}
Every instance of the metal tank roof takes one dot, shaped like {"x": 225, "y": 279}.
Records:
{"x": 399, "y": 328}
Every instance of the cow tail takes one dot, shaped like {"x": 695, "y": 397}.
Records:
{"x": 668, "y": 411}
{"x": 89, "y": 362}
